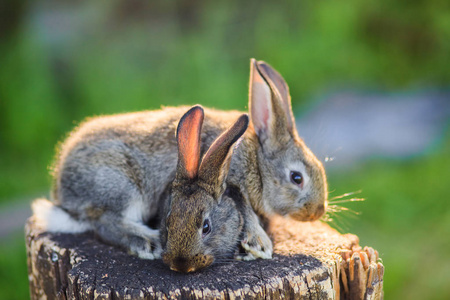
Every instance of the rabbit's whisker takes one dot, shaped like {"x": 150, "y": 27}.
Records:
{"x": 223, "y": 262}
{"x": 341, "y": 219}
{"x": 337, "y": 215}
{"x": 337, "y": 209}
{"x": 344, "y": 195}
{"x": 326, "y": 218}
{"x": 333, "y": 221}
{"x": 331, "y": 157}
{"x": 227, "y": 260}
{"x": 224, "y": 259}
{"x": 347, "y": 200}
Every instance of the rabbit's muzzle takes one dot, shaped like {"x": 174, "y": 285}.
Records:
{"x": 188, "y": 264}
{"x": 310, "y": 213}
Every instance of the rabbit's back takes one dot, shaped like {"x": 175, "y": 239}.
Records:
{"x": 123, "y": 164}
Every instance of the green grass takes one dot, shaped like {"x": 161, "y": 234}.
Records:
{"x": 123, "y": 62}
{"x": 406, "y": 218}
{"x": 13, "y": 269}
{"x": 46, "y": 88}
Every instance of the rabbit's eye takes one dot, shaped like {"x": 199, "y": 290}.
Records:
{"x": 297, "y": 178}
{"x": 206, "y": 227}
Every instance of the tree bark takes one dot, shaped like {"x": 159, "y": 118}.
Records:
{"x": 311, "y": 261}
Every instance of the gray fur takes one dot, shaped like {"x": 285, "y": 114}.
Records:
{"x": 113, "y": 172}
{"x": 197, "y": 197}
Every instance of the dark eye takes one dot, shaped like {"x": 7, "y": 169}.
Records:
{"x": 297, "y": 178}
{"x": 206, "y": 227}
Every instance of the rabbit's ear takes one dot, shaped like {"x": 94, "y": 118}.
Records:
{"x": 216, "y": 162}
{"x": 277, "y": 84}
{"x": 269, "y": 102}
{"x": 188, "y": 139}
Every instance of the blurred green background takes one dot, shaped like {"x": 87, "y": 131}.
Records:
{"x": 61, "y": 61}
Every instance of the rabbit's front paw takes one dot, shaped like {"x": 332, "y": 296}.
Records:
{"x": 146, "y": 250}
{"x": 256, "y": 245}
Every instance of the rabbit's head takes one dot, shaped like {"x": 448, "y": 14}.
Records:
{"x": 294, "y": 181}
{"x": 200, "y": 223}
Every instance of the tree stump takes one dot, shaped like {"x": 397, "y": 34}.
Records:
{"x": 311, "y": 261}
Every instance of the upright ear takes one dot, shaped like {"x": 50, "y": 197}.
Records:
{"x": 188, "y": 139}
{"x": 216, "y": 162}
{"x": 269, "y": 102}
{"x": 280, "y": 89}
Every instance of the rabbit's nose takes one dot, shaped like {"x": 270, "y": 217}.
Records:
{"x": 174, "y": 268}
{"x": 181, "y": 264}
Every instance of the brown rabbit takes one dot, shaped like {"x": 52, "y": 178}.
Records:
{"x": 113, "y": 173}
{"x": 200, "y": 223}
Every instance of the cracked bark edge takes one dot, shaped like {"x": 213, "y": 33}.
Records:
{"x": 312, "y": 261}
{"x": 361, "y": 274}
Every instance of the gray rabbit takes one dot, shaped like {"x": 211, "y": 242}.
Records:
{"x": 200, "y": 223}
{"x": 113, "y": 173}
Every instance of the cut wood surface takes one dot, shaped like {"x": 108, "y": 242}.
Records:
{"x": 311, "y": 261}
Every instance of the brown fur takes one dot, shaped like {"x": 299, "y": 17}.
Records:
{"x": 199, "y": 199}
{"x": 124, "y": 164}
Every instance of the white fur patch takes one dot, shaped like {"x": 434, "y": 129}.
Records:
{"x": 53, "y": 219}
{"x": 137, "y": 210}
